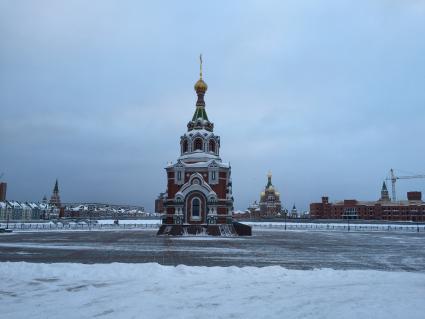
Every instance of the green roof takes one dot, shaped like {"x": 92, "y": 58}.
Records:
{"x": 200, "y": 113}
{"x": 269, "y": 182}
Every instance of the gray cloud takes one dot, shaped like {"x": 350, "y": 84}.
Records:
{"x": 327, "y": 95}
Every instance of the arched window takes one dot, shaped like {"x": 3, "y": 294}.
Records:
{"x": 196, "y": 207}
{"x": 212, "y": 146}
{"x": 198, "y": 144}
{"x": 185, "y": 146}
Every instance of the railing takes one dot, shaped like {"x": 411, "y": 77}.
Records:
{"x": 339, "y": 227}
{"x": 36, "y": 227}
{"x": 263, "y": 226}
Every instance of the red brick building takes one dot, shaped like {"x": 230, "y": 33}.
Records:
{"x": 3, "y": 188}
{"x": 412, "y": 209}
{"x": 199, "y": 187}
{"x": 159, "y": 203}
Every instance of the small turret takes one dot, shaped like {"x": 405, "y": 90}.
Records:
{"x": 384, "y": 193}
{"x": 200, "y": 117}
{"x": 55, "y": 198}
{"x": 269, "y": 180}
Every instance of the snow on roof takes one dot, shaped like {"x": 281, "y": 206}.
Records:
{"x": 202, "y": 132}
{"x": 199, "y": 155}
{"x": 203, "y": 162}
{"x": 43, "y": 206}
{"x": 14, "y": 204}
{"x": 24, "y": 206}
{"x": 33, "y": 205}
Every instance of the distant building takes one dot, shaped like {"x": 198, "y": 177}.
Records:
{"x": 55, "y": 199}
{"x": 104, "y": 211}
{"x": 254, "y": 210}
{"x": 294, "y": 212}
{"x": 3, "y": 188}
{"x": 412, "y": 209}
{"x": 5, "y": 210}
{"x": 21, "y": 211}
{"x": 270, "y": 205}
{"x": 26, "y": 211}
{"x": 159, "y": 203}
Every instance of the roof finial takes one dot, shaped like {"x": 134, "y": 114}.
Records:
{"x": 200, "y": 86}
{"x": 269, "y": 179}
{"x": 200, "y": 65}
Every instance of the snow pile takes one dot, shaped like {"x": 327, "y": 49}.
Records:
{"x": 154, "y": 291}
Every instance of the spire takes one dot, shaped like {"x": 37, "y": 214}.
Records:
{"x": 200, "y": 66}
{"x": 384, "y": 192}
{"x": 55, "y": 199}
{"x": 200, "y": 117}
{"x": 56, "y": 189}
{"x": 200, "y": 87}
{"x": 269, "y": 179}
{"x": 384, "y": 186}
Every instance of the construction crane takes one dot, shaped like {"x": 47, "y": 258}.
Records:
{"x": 393, "y": 178}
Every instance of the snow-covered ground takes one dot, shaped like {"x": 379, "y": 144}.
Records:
{"x": 115, "y": 290}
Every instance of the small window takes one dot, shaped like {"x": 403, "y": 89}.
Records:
{"x": 198, "y": 144}
{"x": 213, "y": 175}
{"x": 196, "y": 207}
{"x": 185, "y": 146}
{"x": 179, "y": 175}
{"x": 212, "y": 146}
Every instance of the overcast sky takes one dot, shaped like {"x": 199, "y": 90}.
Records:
{"x": 328, "y": 95}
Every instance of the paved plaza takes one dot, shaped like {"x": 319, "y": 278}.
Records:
{"x": 392, "y": 251}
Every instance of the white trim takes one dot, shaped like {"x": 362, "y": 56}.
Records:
{"x": 190, "y": 186}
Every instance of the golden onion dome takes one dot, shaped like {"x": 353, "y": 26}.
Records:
{"x": 201, "y": 86}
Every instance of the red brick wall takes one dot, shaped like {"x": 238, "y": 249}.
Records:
{"x": 376, "y": 211}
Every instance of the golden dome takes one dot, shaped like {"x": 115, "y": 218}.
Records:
{"x": 201, "y": 86}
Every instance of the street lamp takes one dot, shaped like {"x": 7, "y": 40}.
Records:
{"x": 348, "y": 222}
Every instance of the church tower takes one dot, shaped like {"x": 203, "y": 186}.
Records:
{"x": 384, "y": 193}
{"x": 199, "y": 184}
{"x": 270, "y": 205}
{"x": 55, "y": 198}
